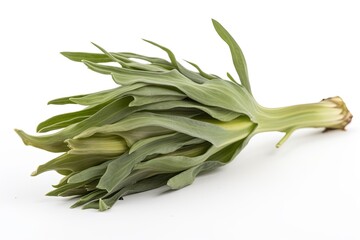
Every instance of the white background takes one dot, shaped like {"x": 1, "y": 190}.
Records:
{"x": 297, "y": 52}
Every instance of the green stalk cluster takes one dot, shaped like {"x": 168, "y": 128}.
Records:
{"x": 162, "y": 125}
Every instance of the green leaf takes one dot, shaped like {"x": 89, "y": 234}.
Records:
{"x": 92, "y": 205}
{"x": 64, "y": 188}
{"x": 93, "y": 57}
{"x": 122, "y": 58}
{"x": 236, "y": 53}
{"x": 134, "y": 135}
{"x": 154, "y": 60}
{"x": 175, "y": 140}
{"x": 144, "y": 100}
{"x": 189, "y": 74}
{"x": 176, "y": 163}
{"x": 149, "y": 183}
{"x": 64, "y": 100}
{"x": 74, "y": 163}
{"x": 112, "y": 112}
{"x": 218, "y": 133}
{"x": 101, "y": 68}
{"x": 215, "y": 112}
{"x": 217, "y": 92}
{"x": 92, "y": 196}
{"x": 105, "y": 96}
{"x": 109, "y": 55}
{"x": 231, "y": 77}
{"x": 119, "y": 169}
{"x": 64, "y": 120}
{"x": 201, "y": 72}
{"x": 89, "y": 173}
{"x": 133, "y": 177}
{"x": 127, "y": 63}
{"x": 74, "y": 192}
{"x": 63, "y": 181}
{"x": 188, "y": 176}
{"x": 98, "y": 145}
{"x": 141, "y": 186}
{"x": 156, "y": 90}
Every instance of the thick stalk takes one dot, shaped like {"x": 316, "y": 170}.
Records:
{"x": 330, "y": 113}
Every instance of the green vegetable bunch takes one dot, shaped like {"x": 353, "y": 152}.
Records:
{"x": 162, "y": 125}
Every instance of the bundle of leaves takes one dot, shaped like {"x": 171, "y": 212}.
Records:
{"x": 162, "y": 125}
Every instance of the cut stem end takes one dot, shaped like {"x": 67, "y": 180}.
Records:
{"x": 346, "y": 115}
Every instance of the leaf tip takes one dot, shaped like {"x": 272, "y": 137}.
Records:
{"x": 70, "y": 55}
{"x": 65, "y": 54}
{"x": 98, "y": 47}
{"x": 214, "y": 21}
{"x": 52, "y": 193}
{"x": 75, "y": 205}
{"x": 103, "y": 206}
{"x": 24, "y": 137}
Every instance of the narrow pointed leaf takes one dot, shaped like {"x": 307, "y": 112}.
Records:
{"x": 93, "y": 57}
{"x": 236, "y": 53}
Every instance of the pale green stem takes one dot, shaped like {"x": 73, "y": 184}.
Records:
{"x": 330, "y": 113}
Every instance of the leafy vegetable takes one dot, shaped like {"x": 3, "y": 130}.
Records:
{"x": 162, "y": 125}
